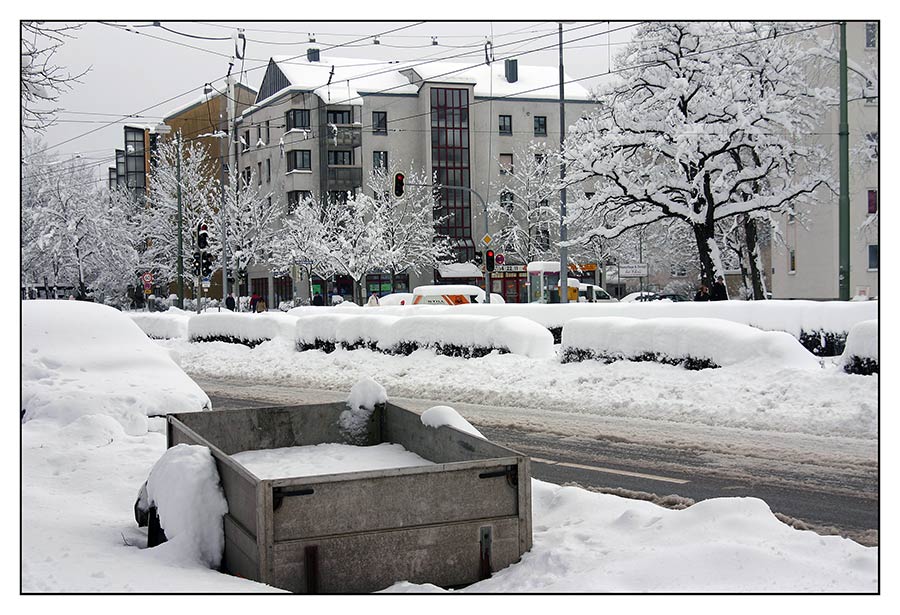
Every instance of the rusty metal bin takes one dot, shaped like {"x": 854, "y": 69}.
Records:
{"x": 450, "y": 524}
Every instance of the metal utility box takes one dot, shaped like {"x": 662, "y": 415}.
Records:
{"x": 450, "y": 524}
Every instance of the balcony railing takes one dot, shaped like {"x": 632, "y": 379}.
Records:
{"x": 344, "y": 177}
{"x": 343, "y": 135}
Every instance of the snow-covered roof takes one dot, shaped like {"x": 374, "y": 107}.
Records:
{"x": 353, "y": 78}
{"x": 219, "y": 89}
{"x": 459, "y": 270}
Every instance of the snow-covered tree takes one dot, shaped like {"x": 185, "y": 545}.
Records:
{"x": 406, "y": 223}
{"x": 74, "y": 234}
{"x": 357, "y": 246}
{"x": 305, "y": 239}
{"x": 525, "y": 217}
{"x": 251, "y": 218}
{"x": 708, "y": 123}
{"x": 42, "y": 81}
{"x": 199, "y": 200}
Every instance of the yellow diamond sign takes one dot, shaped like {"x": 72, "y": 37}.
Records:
{"x": 486, "y": 240}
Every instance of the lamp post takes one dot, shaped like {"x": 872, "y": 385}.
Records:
{"x": 563, "y": 234}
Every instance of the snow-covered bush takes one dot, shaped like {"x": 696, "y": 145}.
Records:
{"x": 691, "y": 342}
{"x": 249, "y": 329}
{"x": 861, "y": 352}
{"x": 169, "y": 325}
{"x": 184, "y": 488}
{"x": 317, "y": 331}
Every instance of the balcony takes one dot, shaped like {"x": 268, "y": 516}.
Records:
{"x": 344, "y": 177}
{"x": 343, "y": 135}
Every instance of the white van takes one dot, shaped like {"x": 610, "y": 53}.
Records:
{"x": 451, "y": 294}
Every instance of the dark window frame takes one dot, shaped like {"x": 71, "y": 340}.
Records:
{"x": 540, "y": 127}
{"x": 872, "y": 251}
{"x": 872, "y": 201}
{"x": 505, "y": 125}
{"x": 379, "y": 123}
{"x": 294, "y": 118}
{"x": 340, "y": 157}
{"x": 296, "y": 158}
{"x": 506, "y": 169}
{"x": 380, "y": 159}
{"x": 345, "y": 114}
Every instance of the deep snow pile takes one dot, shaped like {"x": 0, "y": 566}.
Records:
{"x": 82, "y": 358}
{"x": 861, "y": 352}
{"x": 242, "y": 328}
{"x": 364, "y": 396}
{"x": 184, "y": 487}
{"x": 162, "y": 325}
{"x": 693, "y": 342}
{"x": 593, "y": 542}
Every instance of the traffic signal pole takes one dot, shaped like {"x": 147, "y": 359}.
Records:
{"x": 844, "y": 170}
{"x": 180, "y": 232}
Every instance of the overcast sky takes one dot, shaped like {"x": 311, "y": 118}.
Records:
{"x": 150, "y": 70}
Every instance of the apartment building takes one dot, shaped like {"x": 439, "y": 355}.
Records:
{"x": 320, "y": 124}
{"x": 806, "y": 265}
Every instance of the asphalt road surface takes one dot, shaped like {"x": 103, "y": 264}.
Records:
{"x": 829, "y": 485}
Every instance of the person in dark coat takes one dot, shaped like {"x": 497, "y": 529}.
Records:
{"x": 719, "y": 292}
{"x": 702, "y": 294}
{"x": 253, "y": 301}
{"x": 318, "y": 300}
{"x": 229, "y": 301}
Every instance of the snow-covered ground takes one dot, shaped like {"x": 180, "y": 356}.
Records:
{"x": 81, "y": 470}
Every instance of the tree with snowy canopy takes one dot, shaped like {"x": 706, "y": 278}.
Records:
{"x": 159, "y": 219}
{"x": 73, "y": 232}
{"x": 525, "y": 217}
{"x": 708, "y": 123}
{"x": 251, "y": 216}
{"x": 357, "y": 246}
{"x": 407, "y": 223}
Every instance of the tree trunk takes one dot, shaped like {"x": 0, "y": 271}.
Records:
{"x": 703, "y": 234}
{"x": 753, "y": 257}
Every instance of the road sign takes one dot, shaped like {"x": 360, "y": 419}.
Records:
{"x": 304, "y": 261}
{"x": 486, "y": 240}
{"x": 499, "y": 259}
{"x": 634, "y": 270}
{"x": 147, "y": 278}
{"x": 205, "y": 282}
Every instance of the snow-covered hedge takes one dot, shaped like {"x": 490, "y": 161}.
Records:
{"x": 821, "y": 326}
{"x": 695, "y": 343}
{"x": 249, "y": 328}
{"x": 861, "y": 352}
{"x": 464, "y": 336}
{"x": 162, "y": 325}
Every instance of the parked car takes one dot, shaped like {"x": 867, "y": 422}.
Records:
{"x": 645, "y": 295}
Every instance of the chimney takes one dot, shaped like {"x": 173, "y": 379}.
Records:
{"x": 512, "y": 70}
{"x": 312, "y": 54}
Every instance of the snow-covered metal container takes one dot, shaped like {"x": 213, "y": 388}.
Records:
{"x": 450, "y": 524}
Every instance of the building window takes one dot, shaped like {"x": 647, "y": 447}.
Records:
{"x": 873, "y": 201}
{"x": 338, "y": 117}
{"x": 268, "y": 136}
{"x": 872, "y": 143}
{"x": 506, "y": 164}
{"x": 268, "y": 170}
{"x": 792, "y": 261}
{"x": 379, "y": 122}
{"x": 505, "y": 124}
{"x": 340, "y": 157}
{"x": 380, "y": 160}
{"x": 873, "y": 257}
{"x": 259, "y": 173}
{"x": 791, "y": 218}
{"x": 507, "y": 200}
{"x": 295, "y": 197}
{"x": 870, "y": 93}
{"x": 450, "y": 163}
{"x": 296, "y": 118}
{"x": 871, "y": 35}
{"x": 247, "y": 176}
{"x": 299, "y": 160}
{"x": 540, "y": 125}
{"x": 246, "y": 145}
{"x": 258, "y": 133}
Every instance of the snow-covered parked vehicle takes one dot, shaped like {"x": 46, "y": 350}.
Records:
{"x": 451, "y": 294}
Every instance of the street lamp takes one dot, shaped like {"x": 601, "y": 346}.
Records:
{"x": 563, "y": 235}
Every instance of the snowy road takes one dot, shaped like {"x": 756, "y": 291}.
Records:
{"x": 830, "y": 483}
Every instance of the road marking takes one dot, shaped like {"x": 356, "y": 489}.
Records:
{"x": 580, "y": 466}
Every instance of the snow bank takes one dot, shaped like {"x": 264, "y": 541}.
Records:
{"x": 162, "y": 326}
{"x": 594, "y": 542}
{"x": 318, "y": 331}
{"x": 363, "y": 330}
{"x": 184, "y": 487}
{"x": 437, "y": 416}
{"x": 396, "y": 298}
{"x": 364, "y": 396}
{"x": 694, "y": 342}
{"x": 861, "y": 352}
{"x": 249, "y": 328}
{"x": 81, "y": 358}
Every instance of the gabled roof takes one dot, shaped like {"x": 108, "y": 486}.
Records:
{"x": 219, "y": 89}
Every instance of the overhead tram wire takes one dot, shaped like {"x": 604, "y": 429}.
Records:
{"x": 168, "y": 100}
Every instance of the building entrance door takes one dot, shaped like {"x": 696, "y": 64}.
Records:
{"x": 514, "y": 289}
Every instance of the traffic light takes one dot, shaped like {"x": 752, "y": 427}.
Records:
{"x": 196, "y": 264}
{"x": 202, "y": 236}
{"x": 207, "y": 265}
{"x": 398, "y": 184}
{"x": 489, "y": 260}
{"x": 479, "y": 258}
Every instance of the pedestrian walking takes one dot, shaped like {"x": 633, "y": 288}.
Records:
{"x": 719, "y": 292}
{"x": 318, "y": 300}
{"x": 229, "y": 301}
{"x": 254, "y": 299}
{"x": 261, "y": 305}
{"x": 373, "y": 300}
{"x": 702, "y": 294}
